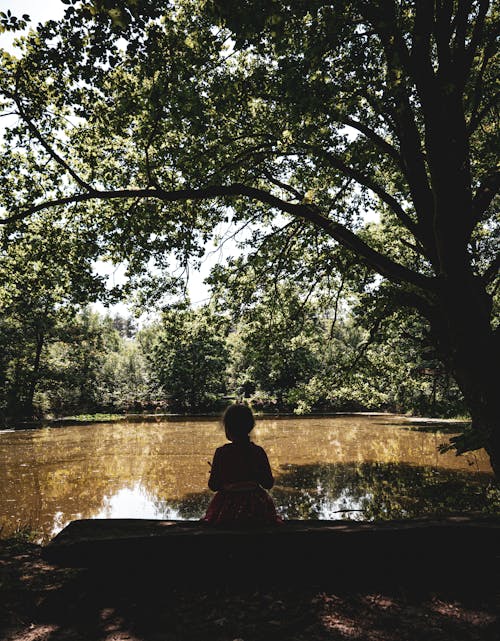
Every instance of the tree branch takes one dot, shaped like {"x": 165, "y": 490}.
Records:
{"x": 485, "y": 193}
{"x": 382, "y": 144}
{"x": 477, "y": 33}
{"x": 284, "y": 186}
{"x": 79, "y": 198}
{"x": 377, "y": 261}
{"x": 365, "y": 181}
{"x": 475, "y": 113}
{"x": 442, "y": 33}
{"x": 461, "y": 20}
{"x": 420, "y": 56}
{"x": 402, "y": 64}
{"x": 52, "y": 153}
{"x": 336, "y": 303}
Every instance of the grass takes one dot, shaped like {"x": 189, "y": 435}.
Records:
{"x": 20, "y": 536}
{"x": 87, "y": 418}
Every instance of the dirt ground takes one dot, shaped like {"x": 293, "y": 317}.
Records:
{"x": 39, "y": 602}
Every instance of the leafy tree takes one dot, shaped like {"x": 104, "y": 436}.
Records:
{"x": 124, "y": 325}
{"x": 189, "y": 358}
{"x": 317, "y": 112}
{"x": 72, "y": 368}
{"x": 123, "y": 379}
{"x": 274, "y": 347}
{"x": 361, "y": 352}
{"x": 45, "y": 275}
{"x": 398, "y": 359}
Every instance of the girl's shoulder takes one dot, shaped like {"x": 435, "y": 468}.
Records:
{"x": 228, "y": 447}
{"x": 224, "y": 448}
{"x": 258, "y": 449}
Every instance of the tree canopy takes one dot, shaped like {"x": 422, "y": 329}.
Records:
{"x": 154, "y": 122}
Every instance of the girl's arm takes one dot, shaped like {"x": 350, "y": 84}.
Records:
{"x": 214, "y": 481}
{"x": 264, "y": 474}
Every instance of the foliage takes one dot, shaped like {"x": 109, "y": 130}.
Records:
{"x": 91, "y": 418}
{"x": 188, "y": 358}
{"x": 381, "y": 491}
{"x": 123, "y": 380}
{"x": 273, "y": 349}
{"x": 45, "y": 275}
{"x": 84, "y": 365}
{"x": 74, "y": 362}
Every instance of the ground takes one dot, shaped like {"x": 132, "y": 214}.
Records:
{"x": 40, "y": 602}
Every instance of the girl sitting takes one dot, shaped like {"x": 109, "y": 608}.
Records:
{"x": 240, "y": 474}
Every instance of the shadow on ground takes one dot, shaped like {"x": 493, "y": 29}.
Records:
{"x": 43, "y": 603}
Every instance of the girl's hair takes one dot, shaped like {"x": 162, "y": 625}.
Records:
{"x": 238, "y": 421}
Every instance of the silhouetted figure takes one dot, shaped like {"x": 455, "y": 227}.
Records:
{"x": 240, "y": 474}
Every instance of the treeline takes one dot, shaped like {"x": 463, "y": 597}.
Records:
{"x": 286, "y": 355}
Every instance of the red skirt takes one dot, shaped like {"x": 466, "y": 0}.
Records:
{"x": 247, "y": 506}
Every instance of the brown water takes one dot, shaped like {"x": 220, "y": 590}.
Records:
{"x": 361, "y": 466}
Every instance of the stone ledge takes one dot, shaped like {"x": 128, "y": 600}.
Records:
{"x": 448, "y": 549}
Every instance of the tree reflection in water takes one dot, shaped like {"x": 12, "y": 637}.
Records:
{"x": 381, "y": 491}
{"x": 368, "y": 491}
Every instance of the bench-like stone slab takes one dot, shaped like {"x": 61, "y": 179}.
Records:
{"x": 457, "y": 548}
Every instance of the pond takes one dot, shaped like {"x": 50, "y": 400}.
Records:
{"x": 344, "y": 466}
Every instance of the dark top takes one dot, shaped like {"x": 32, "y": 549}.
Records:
{"x": 237, "y": 462}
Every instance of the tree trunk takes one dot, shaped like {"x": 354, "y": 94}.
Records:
{"x": 40, "y": 337}
{"x": 470, "y": 347}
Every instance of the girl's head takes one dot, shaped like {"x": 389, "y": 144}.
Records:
{"x": 238, "y": 421}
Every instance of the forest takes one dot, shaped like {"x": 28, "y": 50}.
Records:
{"x": 287, "y": 357}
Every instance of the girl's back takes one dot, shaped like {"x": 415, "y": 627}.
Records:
{"x": 237, "y": 462}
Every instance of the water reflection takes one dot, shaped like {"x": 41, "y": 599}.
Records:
{"x": 360, "y": 467}
{"x": 129, "y": 502}
{"x": 370, "y": 491}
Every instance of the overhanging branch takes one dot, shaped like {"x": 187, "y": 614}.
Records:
{"x": 379, "y": 262}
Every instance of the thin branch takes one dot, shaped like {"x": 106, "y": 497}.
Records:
{"x": 478, "y": 121}
{"x": 485, "y": 193}
{"x": 382, "y": 144}
{"x": 371, "y": 337}
{"x": 477, "y": 33}
{"x": 336, "y": 304}
{"x": 415, "y": 248}
{"x": 381, "y": 107}
{"x": 233, "y": 235}
{"x": 254, "y": 152}
{"x": 474, "y": 119}
{"x": 284, "y": 186}
{"x": 38, "y": 135}
{"x": 365, "y": 181}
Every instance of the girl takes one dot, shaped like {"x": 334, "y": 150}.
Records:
{"x": 239, "y": 473}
